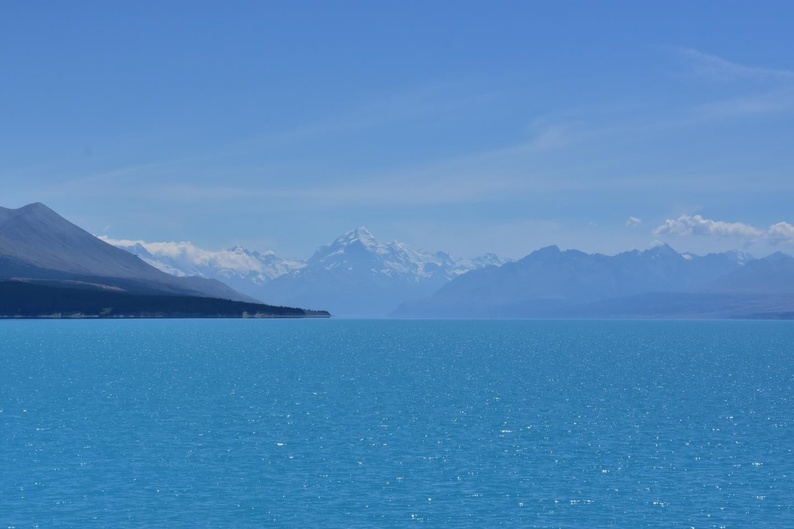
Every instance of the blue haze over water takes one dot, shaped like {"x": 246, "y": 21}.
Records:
{"x": 340, "y": 423}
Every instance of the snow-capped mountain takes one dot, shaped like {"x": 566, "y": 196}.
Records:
{"x": 359, "y": 250}
{"x": 354, "y": 275}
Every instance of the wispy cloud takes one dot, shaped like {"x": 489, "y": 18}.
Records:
{"x": 433, "y": 100}
{"x": 547, "y": 135}
{"x": 633, "y": 221}
{"x": 781, "y": 233}
{"x": 774, "y": 103}
{"x": 489, "y": 174}
{"x": 715, "y": 67}
{"x": 775, "y": 86}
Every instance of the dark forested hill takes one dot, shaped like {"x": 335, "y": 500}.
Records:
{"x": 21, "y": 299}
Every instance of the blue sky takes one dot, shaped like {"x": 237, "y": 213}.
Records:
{"x": 470, "y": 127}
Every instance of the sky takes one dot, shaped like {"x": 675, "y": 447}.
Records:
{"x": 468, "y": 127}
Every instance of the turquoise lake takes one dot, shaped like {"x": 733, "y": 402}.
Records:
{"x": 344, "y": 423}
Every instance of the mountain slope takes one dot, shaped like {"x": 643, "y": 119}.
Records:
{"x": 36, "y": 242}
{"x": 772, "y": 274}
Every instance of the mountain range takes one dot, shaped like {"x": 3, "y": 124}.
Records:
{"x": 48, "y": 259}
{"x": 48, "y": 265}
{"x": 354, "y": 276}
{"x": 655, "y": 283}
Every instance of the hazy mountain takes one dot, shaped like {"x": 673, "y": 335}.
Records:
{"x": 555, "y": 283}
{"x": 354, "y": 276}
{"x": 38, "y": 244}
{"x": 772, "y": 274}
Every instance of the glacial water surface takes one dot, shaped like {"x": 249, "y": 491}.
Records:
{"x": 348, "y": 424}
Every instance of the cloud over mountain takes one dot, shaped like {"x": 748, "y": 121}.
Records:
{"x": 185, "y": 255}
{"x": 686, "y": 225}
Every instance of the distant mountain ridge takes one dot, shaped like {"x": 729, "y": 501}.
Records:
{"x": 658, "y": 282}
{"x": 355, "y": 275}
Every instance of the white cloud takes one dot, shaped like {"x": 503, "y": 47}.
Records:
{"x": 697, "y": 225}
{"x": 633, "y": 221}
{"x": 781, "y": 233}
{"x": 186, "y": 255}
{"x": 685, "y": 225}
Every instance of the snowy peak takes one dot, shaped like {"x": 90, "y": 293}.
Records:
{"x": 358, "y": 241}
{"x": 359, "y": 252}
{"x": 741, "y": 258}
{"x": 489, "y": 259}
{"x": 239, "y": 250}
{"x": 361, "y": 235}
{"x": 661, "y": 251}
{"x": 356, "y": 250}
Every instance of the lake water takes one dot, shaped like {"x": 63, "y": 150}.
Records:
{"x": 334, "y": 423}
